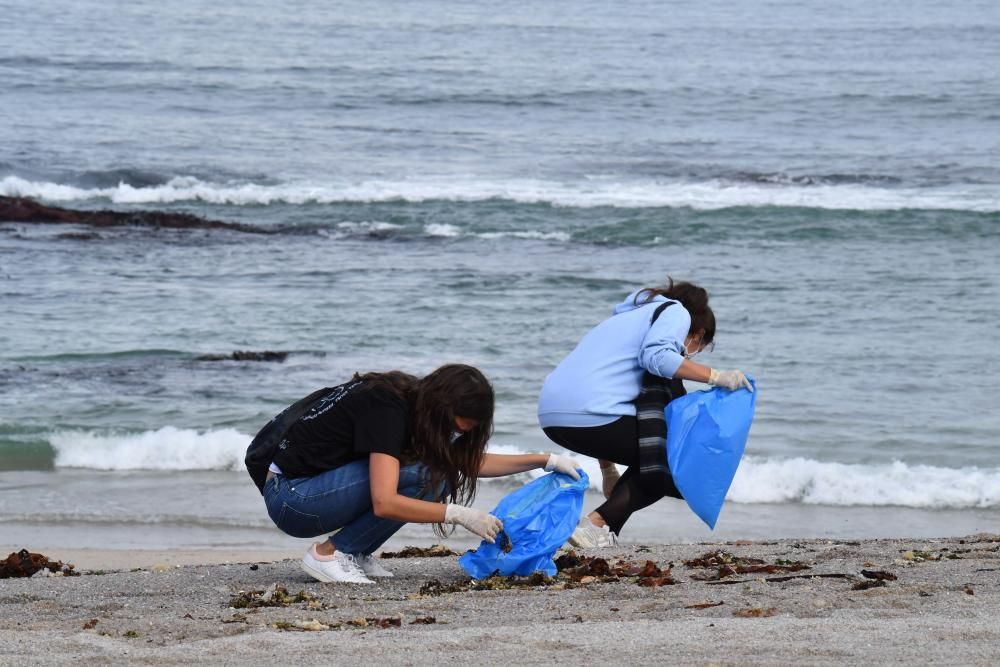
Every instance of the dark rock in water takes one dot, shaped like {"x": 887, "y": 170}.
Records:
{"x": 25, "y": 564}
{"x": 80, "y": 236}
{"x": 24, "y": 210}
{"x": 246, "y": 355}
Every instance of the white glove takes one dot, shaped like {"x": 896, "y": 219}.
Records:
{"x": 611, "y": 476}
{"x": 482, "y": 524}
{"x": 731, "y": 380}
{"x": 563, "y": 464}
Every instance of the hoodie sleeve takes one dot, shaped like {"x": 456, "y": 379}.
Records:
{"x": 662, "y": 349}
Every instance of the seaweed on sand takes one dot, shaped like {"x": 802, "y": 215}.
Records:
{"x": 724, "y": 564}
{"x": 436, "y": 551}
{"x": 275, "y": 596}
{"x": 495, "y": 582}
{"x": 573, "y": 570}
{"x": 26, "y": 563}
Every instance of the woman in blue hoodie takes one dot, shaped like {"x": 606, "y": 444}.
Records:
{"x": 638, "y": 356}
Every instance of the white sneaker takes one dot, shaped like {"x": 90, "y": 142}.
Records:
{"x": 589, "y": 536}
{"x": 338, "y": 567}
{"x": 371, "y": 566}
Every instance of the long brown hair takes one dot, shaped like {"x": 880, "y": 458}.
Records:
{"x": 694, "y": 299}
{"x": 433, "y": 402}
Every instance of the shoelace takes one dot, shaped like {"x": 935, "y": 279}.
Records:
{"x": 352, "y": 565}
{"x": 605, "y": 532}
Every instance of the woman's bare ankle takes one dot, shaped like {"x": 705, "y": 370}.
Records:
{"x": 325, "y": 548}
{"x": 597, "y": 519}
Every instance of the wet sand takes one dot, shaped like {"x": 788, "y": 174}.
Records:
{"x": 940, "y": 609}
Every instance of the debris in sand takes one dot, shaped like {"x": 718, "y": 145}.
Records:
{"x": 493, "y": 583}
{"x": 770, "y": 580}
{"x": 311, "y": 626}
{"x": 865, "y": 584}
{"x": 705, "y": 605}
{"x": 424, "y": 620}
{"x": 754, "y": 612}
{"x": 275, "y": 596}
{"x": 653, "y": 582}
{"x": 436, "y": 551}
{"x": 879, "y": 575}
{"x": 573, "y": 570}
{"x": 26, "y": 563}
{"x": 918, "y": 556}
{"x": 719, "y": 558}
{"x": 725, "y": 564}
{"x": 589, "y": 569}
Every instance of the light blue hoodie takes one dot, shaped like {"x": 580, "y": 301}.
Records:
{"x": 597, "y": 382}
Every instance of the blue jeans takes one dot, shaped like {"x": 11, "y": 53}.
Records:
{"x": 341, "y": 500}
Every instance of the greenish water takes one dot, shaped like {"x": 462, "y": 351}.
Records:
{"x": 482, "y": 184}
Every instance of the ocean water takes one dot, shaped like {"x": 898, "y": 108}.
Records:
{"x": 482, "y": 183}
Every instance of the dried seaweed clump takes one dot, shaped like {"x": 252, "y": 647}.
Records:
{"x": 25, "y": 563}
{"x": 754, "y": 612}
{"x": 495, "y": 582}
{"x": 724, "y": 564}
{"x": 275, "y": 596}
{"x": 436, "y": 551}
{"x": 361, "y": 622}
{"x": 918, "y": 556}
{"x": 573, "y": 571}
{"x": 590, "y": 569}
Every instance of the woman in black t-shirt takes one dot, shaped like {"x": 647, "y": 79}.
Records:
{"x": 382, "y": 450}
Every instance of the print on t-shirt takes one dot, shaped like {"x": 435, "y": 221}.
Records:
{"x": 330, "y": 400}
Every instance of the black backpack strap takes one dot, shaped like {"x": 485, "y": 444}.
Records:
{"x": 654, "y": 395}
{"x": 265, "y": 444}
{"x": 659, "y": 309}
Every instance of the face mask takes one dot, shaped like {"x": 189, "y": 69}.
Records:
{"x": 455, "y": 435}
{"x": 699, "y": 348}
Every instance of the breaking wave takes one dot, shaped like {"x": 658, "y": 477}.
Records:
{"x": 759, "y": 480}
{"x": 704, "y": 195}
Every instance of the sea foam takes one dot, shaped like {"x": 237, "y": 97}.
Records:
{"x": 168, "y": 448}
{"x": 810, "y": 482}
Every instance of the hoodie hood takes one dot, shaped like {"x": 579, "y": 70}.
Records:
{"x": 629, "y": 303}
{"x": 599, "y": 380}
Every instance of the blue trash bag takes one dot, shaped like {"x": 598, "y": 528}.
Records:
{"x": 538, "y": 518}
{"x": 706, "y": 435}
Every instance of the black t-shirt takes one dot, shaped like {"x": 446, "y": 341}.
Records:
{"x": 349, "y": 423}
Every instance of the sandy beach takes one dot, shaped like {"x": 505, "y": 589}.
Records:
{"x": 782, "y": 602}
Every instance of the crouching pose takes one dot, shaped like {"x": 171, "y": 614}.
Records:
{"x": 606, "y": 398}
{"x": 381, "y": 450}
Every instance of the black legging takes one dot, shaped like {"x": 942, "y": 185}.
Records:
{"x": 618, "y": 442}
